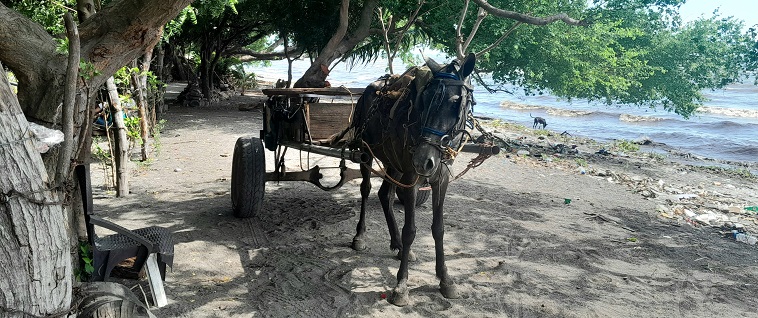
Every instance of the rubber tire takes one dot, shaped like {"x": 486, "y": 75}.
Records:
{"x": 421, "y": 197}
{"x": 248, "y": 177}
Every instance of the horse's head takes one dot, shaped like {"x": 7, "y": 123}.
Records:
{"x": 444, "y": 105}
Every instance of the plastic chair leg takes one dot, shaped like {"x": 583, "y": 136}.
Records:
{"x": 156, "y": 283}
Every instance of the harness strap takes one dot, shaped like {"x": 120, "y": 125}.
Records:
{"x": 433, "y": 131}
{"x": 446, "y": 75}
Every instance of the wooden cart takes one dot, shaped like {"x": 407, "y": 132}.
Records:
{"x": 302, "y": 119}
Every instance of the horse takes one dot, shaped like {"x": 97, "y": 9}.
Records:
{"x": 413, "y": 125}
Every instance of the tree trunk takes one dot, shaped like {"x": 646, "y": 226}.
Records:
{"x": 121, "y": 142}
{"x": 139, "y": 98}
{"x": 159, "y": 59}
{"x": 35, "y": 271}
{"x": 205, "y": 69}
{"x": 338, "y": 45}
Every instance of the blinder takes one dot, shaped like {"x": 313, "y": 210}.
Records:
{"x": 444, "y": 140}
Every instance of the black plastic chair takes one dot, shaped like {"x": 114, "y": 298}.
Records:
{"x": 108, "y": 251}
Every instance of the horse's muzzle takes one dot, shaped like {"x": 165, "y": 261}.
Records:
{"x": 426, "y": 159}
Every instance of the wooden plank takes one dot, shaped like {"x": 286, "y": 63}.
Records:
{"x": 326, "y": 91}
{"x": 326, "y": 119}
{"x": 156, "y": 283}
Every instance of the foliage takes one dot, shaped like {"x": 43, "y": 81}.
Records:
{"x": 626, "y": 146}
{"x": 86, "y": 267}
{"x": 49, "y": 14}
{"x": 87, "y": 70}
{"x": 731, "y": 171}
{"x": 156, "y": 133}
{"x": 634, "y": 52}
{"x": 133, "y": 129}
{"x": 243, "y": 80}
{"x": 99, "y": 153}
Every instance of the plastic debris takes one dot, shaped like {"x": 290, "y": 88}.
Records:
{"x": 44, "y": 137}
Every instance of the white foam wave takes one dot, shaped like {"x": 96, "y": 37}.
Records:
{"x": 517, "y": 106}
{"x": 568, "y": 112}
{"x": 637, "y": 119}
{"x": 731, "y": 112}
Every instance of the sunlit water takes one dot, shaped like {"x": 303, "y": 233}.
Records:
{"x": 726, "y": 128}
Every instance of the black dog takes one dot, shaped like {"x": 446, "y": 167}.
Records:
{"x": 538, "y": 121}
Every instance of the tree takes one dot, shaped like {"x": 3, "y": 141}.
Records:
{"x": 631, "y": 52}
{"x": 222, "y": 27}
{"x": 31, "y": 231}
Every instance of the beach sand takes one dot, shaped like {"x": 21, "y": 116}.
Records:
{"x": 536, "y": 231}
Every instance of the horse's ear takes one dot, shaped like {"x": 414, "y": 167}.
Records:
{"x": 433, "y": 65}
{"x": 468, "y": 65}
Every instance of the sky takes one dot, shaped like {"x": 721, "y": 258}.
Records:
{"x": 746, "y": 10}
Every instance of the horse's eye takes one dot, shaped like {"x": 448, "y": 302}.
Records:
{"x": 455, "y": 98}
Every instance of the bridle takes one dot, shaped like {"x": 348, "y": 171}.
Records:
{"x": 444, "y": 141}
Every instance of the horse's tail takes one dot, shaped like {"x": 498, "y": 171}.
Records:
{"x": 530, "y": 115}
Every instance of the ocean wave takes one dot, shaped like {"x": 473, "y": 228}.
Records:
{"x": 518, "y": 106}
{"x": 638, "y": 119}
{"x": 732, "y": 112}
{"x": 568, "y": 112}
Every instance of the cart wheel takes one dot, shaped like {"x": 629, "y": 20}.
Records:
{"x": 248, "y": 177}
{"x": 421, "y": 196}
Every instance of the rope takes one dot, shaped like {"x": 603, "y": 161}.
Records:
{"x": 5, "y": 144}
{"x": 383, "y": 173}
{"x": 477, "y": 161}
{"x": 352, "y": 111}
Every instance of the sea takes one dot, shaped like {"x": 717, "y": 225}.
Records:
{"x": 724, "y": 129}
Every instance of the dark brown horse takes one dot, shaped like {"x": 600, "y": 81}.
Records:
{"x": 413, "y": 124}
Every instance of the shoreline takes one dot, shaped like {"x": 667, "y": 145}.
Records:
{"x": 648, "y": 145}
{"x": 647, "y": 172}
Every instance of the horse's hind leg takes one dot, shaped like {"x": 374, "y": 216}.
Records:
{"x": 359, "y": 242}
{"x": 386, "y": 191}
{"x": 439, "y": 188}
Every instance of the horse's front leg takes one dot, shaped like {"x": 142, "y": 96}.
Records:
{"x": 408, "y": 196}
{"x": 439, "y": 189}
{"x": 386, "y": 191}
{"x": 359, "y": 242}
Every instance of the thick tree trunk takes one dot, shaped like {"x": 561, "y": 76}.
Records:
{"x": 35, "y": 270}
{"x": 121, "y": 142}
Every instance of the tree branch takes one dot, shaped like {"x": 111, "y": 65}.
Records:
{"x": 246, "y": 55}
{"x": 499, "y": 40}
{"x": 479, "y": 18}
{"x": 458, "y": 34}
{"x": 69, "y": 99}
{"x": 525, "y": 18}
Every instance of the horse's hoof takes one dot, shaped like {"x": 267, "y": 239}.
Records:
{"x": 400, "y": 297}
{"x": 449, "y": 291}
{"x": 411, "y": 256}
{"x": 359, "y": 244}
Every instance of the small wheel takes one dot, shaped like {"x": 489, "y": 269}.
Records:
{"x": 248, "y": 177}
{"x": 421, "y": 195}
